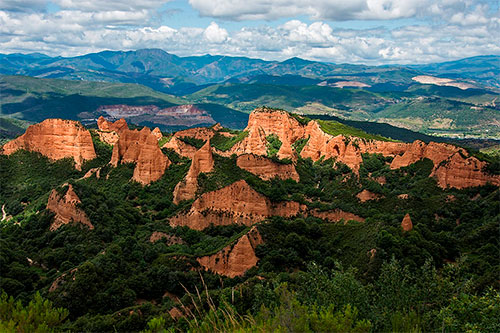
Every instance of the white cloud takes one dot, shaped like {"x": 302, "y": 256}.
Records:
{"x": 441, "y": 30}
{"x": 214, "y": 34}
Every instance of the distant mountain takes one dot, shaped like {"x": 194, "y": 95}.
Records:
{"x": 33, "y": 99}
{"x": 169, "y": 73}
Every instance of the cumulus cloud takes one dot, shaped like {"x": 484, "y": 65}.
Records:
{"x": 441, "y": 30}
{"x": 214, "y": 34}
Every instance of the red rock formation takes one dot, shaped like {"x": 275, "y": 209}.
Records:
{"x": 345, "y": 150}
{"x": 265, "y": 168}
{"x": 336, "y": 215}
{"x": 461, "y": 172}
{"x": 406, "y": 224}
{"x": 453, "y": 167}
{"x": 403, "y": 196}
{"x": 108, "y": 126}
{"x": 237, "y": 203}
{"x": 201, "y": 133}
{"x": 140, "y": 147}
{"x": 263, "y": 122}
{"x": 180, "y": 147}
{"x": 66, "y": 210}
{"x": 235, "y": 259}
{"x": 56, "y": 139}
{"x": 203, "y": 161}
{"x": 157, "y": 133}
{"x": 366, "y": 195}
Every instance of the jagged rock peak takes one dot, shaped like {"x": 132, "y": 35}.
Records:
{"x": 56, "y": 139}
{"x": 203, "y": 161}
{"x": 66, "y": 210}
{"x": 234, "y": 259}
{"x": 140, "y": 147}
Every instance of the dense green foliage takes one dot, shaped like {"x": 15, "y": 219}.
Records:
{"x": 224, "y": 143}
{"x": 335, "y": 128}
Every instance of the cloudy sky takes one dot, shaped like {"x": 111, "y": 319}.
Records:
{"x": 339, "y": 31}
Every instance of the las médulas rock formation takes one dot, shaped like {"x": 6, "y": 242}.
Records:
{"x": 263, "y": 122}
{"x": 157, "y": 133}
{"x": 66, "y": 210}
{"x": 140, "y": 147}
{"x": 453, "y": 167}
{"x": 180, "y": 147}
{"x": 200, "y": 133}
{"x": 56, "y": 139}
{"x": 203, "y": 161}
{"x": 266, "y": 168}
{"x": 235, "y": 259}
{"x": 237, "y": 203}
{"x": 109, "y": 132}
{"x": 406, "y": 224}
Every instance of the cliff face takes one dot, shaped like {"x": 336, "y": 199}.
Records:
{"x": 460, "y": 172}
{"x": 66, "y": 210}
{"x": 235, "y": 259}
{"x": 366, "y": 195}
{"x": 140, "y": 147}
{"x": 265, "y": 168}
{"x": 263, "y": 122}
{"x": 109, "y": 131}
{"x": 201, "y": 133}
{"x": 203, "y": 161}
{"x": 453, "y": 167}
{"x": 345, "y": 150}
{"x": 237, "y": 203}
{"x": 180, "y": 147}
{"x": 56, "y": 139}
{"x": 336, "y": 215}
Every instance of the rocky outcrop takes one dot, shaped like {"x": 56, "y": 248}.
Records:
{"x": 200, "y": 133}
{"x": 237, "y": 203}
{"x": 263, "y": 122}
{"x": 453, "y": 167}
{"x": 157, "y": 133}
{"x": 66, "y": 210}
{"x": 140, "y": 147}
{"x": 345, "y": 149}
{"x": 56, "y": 139}
{"x": 203, "y": 161}
{"x": 265, "y": 168}
{"x": 180, "y": 147}
{"x": 406, "y": 224}
{"x": 108, "y": 126}
{"x": 109, "y": 132}
{"x": 336, "y": 215}
{"x": 460, "y": 172}
{"x": 366, "y": 195}
{"x": 235, "y": 259}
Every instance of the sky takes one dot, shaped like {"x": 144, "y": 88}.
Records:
{"x": 373, "y": 32}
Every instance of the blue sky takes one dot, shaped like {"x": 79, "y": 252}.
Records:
{"x": 354, "y": 31}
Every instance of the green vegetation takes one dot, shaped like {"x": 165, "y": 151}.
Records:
{"x": 299, "y": 145}
{"x": 224, "y": 143}
{"x": 164, "y": 140}
{"x": 273, "y": 145}
{"x": 335, "y": 128}
{"x": 198, "y": 143}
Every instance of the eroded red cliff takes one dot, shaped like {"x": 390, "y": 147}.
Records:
{"x": 56, "y": 139}
{"x": 180, "y": 147}
{"x": 265, "y": 168}
{"x": 202, "y": 161}
{"x": 407, "y": 224}
{"x": 66, "y": 210}
{"x": 140, "y": 147}
{"x": 237, "y": 203}
{"x": 235, "y": 259}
